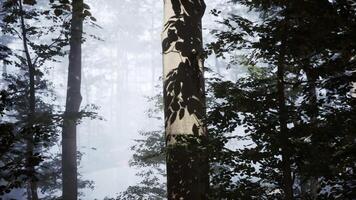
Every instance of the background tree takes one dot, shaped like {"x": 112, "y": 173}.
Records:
{"x": 45, "y": 43}
{"x": 73, "y": 100}
{"x": 33, "y": 120}
{"x": 287, "y": 49}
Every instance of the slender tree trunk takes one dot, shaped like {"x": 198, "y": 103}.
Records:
{"x": 287, "y": 177}
{"x": 73, "y": 101}
{"x": 286, "y": 163}
{"x": 4, "y": 43}
{"x": 287, "y": 180}
{"x": 184, "y": 100}
{"x": 32, "y": 184}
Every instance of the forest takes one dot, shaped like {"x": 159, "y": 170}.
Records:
{"x": 178, "y": 100}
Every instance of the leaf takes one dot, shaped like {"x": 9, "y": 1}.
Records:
{"x": 175, "y": 105}
{"x": 86, "y": 13}
{"x": 45, "y": 12}
{"x": 93, "y": 19}
{"x": 181, "y": 113}
{"x": 86, "y": 6}
{"x": 29, "y": 2}
{"x": 58, "y": 12}
{"x": 173, "y": 118}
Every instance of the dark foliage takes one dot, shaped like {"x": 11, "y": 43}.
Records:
{"x": 27, "y": 136}
{"x": 308, "y": 48}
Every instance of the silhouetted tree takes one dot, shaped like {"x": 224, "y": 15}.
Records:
{"x": 44, "y": 42}
{"x": 73, "y": 100}
{"x": 34, "y": 121}
{"x": 294, "y": 105}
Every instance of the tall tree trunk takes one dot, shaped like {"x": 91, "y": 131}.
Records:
{"x": 73, "y": 100}
{"x": 184, "y": 100}
{"x": 287, "y": 180}
{"x": 3, "y": 42}
{"x": 32, "y": 184}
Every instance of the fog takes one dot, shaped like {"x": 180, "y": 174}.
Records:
{"x": 274, "y": 119}
{"x": 121, "y": 68}
{"x": 119, "y": 73}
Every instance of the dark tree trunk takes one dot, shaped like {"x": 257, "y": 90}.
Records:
{"x": 32, "y": 183}
{"x": 287, "y": 177}
{"x": 287, "y": 180}
{"x": 184, "y": 100}
{"x": 73, "y": 101}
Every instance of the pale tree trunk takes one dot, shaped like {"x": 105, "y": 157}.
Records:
{"x": 73, "y": 100}
{"x": 184, "y": 100}
{"x": 32, "y": 183}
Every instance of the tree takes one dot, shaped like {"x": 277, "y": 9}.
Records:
{"x": 32, "y": 101}
{"x": 44, "y": 47}
{"x": 184, "y": 101}
{"x": 73, "y": 100}
{"x": 32, "y": 120}
{"x": 298, "y": 87}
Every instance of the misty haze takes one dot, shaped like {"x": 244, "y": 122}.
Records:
{"x": 177, "y": 99}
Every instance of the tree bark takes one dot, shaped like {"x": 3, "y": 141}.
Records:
{"x": 184, "y": 100}
{"x": 32, "y": 183}
{"x": 73, "y": 101}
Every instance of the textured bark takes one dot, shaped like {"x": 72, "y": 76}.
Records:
{"x": 32, "y": 183}
{"x": 184, "y": 101}
{"x": 73, "y": 101}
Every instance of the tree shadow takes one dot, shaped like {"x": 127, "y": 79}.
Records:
{"x": 184, "y": 99}
{"x": 184, "y": 84}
